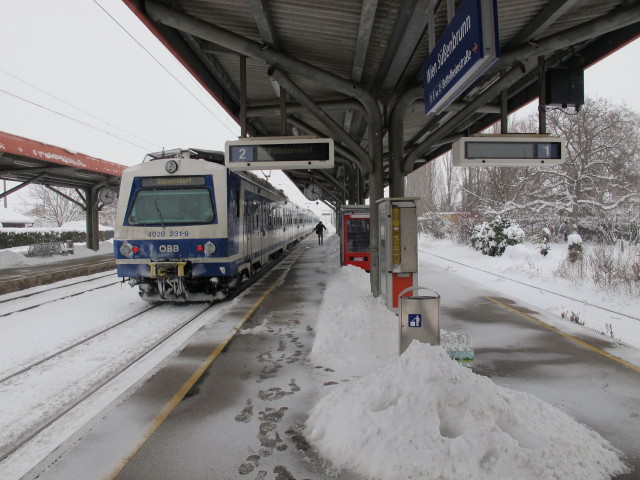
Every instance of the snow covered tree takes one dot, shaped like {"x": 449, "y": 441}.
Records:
{"x": 51, "y": 208}
{"x": 597, "y": 188}
{"x": 420, "y": 184}
{"x": 600, "y": 181}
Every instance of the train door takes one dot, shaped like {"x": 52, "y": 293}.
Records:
{"x": 262, "y": 243}
{"x": 247, "y": 225}
{"x": 256, "y": 231}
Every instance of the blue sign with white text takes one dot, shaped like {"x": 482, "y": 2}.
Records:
{"x": 466, "y": 48}
{"x": 415, "y": 320}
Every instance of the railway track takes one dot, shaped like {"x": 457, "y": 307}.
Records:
{"x": 32, "y": 300}
{"x": 584, "y": 302}
{"x": 42, "y": 370}
{"x": 14, "y": 279}
{"x": 39, "y": 370}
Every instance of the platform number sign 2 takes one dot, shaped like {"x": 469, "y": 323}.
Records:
{"x": 415, "y": 320}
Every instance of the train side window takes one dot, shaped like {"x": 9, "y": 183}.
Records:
{"x": 237, "y": 200}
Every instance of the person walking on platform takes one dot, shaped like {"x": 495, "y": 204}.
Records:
{"x": 319, "y": 230}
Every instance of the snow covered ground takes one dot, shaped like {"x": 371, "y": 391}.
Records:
{"x": 16, "y": 257}
{"x": 524, "y": 274}
{"x": 446, "y": 422}
{"x": 423, "y": 416}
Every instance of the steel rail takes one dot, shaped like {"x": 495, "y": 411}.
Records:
{"x": 57, "y": 299}
{"x": 28, "y": 436}
{"x": 26, "y": 295}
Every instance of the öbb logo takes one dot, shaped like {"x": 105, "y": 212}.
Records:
{"x": 169, "y": 248}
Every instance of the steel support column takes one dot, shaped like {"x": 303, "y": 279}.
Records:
{"x": 93, "y": 229}
{"x": 396, "y": 140}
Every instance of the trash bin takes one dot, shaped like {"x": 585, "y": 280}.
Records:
{"x": 419, "y": 318}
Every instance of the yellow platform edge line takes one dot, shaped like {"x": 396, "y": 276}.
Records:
{"x": 619, "y": 360}
{"x": 182, "y": 392}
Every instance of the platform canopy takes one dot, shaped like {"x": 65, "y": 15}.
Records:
{"x": 29, "y": 161}
{"x": 353, "y": 71}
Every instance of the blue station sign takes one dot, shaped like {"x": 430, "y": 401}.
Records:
{"x": 466, "y": 48}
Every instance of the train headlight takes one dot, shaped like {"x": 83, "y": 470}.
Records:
{"x": 126, "y": 250}
{"x": 209, "y": 248}
{"x": 171, "y": 166}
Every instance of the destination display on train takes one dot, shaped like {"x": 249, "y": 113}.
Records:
{"x": 151, "y": 182}
{"x": 279, "y": 153}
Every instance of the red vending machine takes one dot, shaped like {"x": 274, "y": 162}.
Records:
{"x": 354, "y": 248}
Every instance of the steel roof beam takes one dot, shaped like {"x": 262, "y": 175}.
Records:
{"x": 22, "y": 185}
{"x": 334, "y": 129}
{"x": 407, "y": 32}
{"x": 261, "y": 15}
{"x": 461, "y": 116}
{"x": 586, "y": 31}
{"x": 367, "y": 16}
{"x": 365, "y": 27}
{"x": 329, "y": 106}
{"x": 373, "y": 165}
{"x": 338, "y": 147}
{"x": 554, "y": 10}
{"x": 619, "y": 19}
{"x": 244, "y": 46}
{"x": 205, "y": 55}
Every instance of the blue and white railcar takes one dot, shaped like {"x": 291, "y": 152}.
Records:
{"x": 188, "y": 229}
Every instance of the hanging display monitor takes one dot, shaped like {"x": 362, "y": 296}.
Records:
{"x": 279, "y": 153}
{"x": 510, "y": 150}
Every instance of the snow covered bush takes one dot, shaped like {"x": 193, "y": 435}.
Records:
{"x": 492, "y": 238}
{"x": 434, "y": 225}
{"x": 614, "y": 270}
{"x": 544, "y": 241}
{"x": 575, "y": 247}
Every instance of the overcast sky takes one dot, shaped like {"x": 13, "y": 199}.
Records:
{"x": 87, "y": 76}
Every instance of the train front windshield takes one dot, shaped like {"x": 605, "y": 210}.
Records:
{"x": 172, "y": 207}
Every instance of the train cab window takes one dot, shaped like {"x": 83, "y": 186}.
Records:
{"x": 172, "y": 207}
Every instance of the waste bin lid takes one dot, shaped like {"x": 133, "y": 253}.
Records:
{"x": 421, "y": 297}
{"x": 409, "y": 289}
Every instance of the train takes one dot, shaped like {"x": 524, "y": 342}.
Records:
{"x": 189, "y": 229}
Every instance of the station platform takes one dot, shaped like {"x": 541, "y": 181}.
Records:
{"x": 233, "y": 402}
{"x": 13, "y": 279}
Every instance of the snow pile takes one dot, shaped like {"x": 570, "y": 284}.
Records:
{"x": 350, "y": 316}
{"x": 422, "y": 415}
{"x": 15, "y": 257}
{"x": 12, "y": 258}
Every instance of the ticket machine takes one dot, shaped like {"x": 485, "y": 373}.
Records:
{"x": 354, "y": 247}
{"x": 398, "y": 249}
